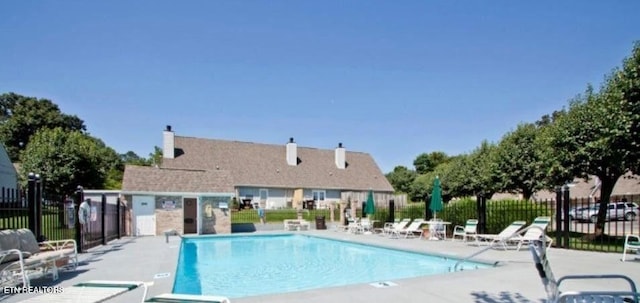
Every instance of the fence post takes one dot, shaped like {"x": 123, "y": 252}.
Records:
{"x": 38, "y": 200}
{"x": 392, "y": 210}
{"x": 118, "y": 221}
{"x": 104, "y": 219}
{"x": 31, "y": 201}
{"x": 79, "y": 197}
{"x": 364, "y": 205}
{"x": 566, "y": 202}
{"x": 481, "y": 205}
{"x": 559, "y": 231}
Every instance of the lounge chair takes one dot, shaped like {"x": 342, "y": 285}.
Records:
{"x": 631, "y": 243}
{"x": 91, "y": 292}
{"x": 503, "y": 236}
{"x": 388, "y": 228}
{"x": 361, "y": 226}
{"x": 533, "y": 234}
{"x": 468, "y": 231}
{"x": 552, "y": 286}
{"x": 180, "y": 298}
{"x": 411, "y": 230}
{"x": 22, "y": 257}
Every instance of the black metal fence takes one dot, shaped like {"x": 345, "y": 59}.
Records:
{"x": 102, "y": 223}
{"x": 57, "y": 220}
{"x": 568, "y": 231}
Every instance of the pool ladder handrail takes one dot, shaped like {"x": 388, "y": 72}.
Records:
{"x": 515, "y": 234}
{"x": 171, "y": 232}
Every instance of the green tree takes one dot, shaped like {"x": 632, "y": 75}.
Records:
{"x": 425, "y": 163}
{"x": 421, "y": 187}
{"x": 593, "y": 138}
{"x": 131, "y": 157}
{"x": 482, "y": 177}
{"x": 68, "y": 159}
{"x": 401, "y": 178}
{"x": 517, "y": 165}
{"x": 455, "y": 176}
{"x": 155, "y": 158}
{"x": 21, "y": 117}
{"x": 624, "y": 86}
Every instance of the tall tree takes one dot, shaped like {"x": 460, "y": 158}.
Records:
{"x": 593, "y": 138}
{"x": 401, "y": 178}
{"x": 68, "y": 159}
{"x": 482, "y": 172}
{"x": 624, "y": 86}
{"x": 425, "y": 163}
{"x": 131, "y": 157}
{"x": 517, "y": 165}
{"x": 21, "y": 117}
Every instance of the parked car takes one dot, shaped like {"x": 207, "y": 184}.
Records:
{"x": 575, "y": 212}
{"x": 615, "y": 211}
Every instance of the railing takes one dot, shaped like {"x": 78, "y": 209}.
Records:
{"x": 57, "y": 220}
{"x": 497, "y": 214}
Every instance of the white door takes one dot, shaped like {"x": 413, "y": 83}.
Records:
{"x": 144, "y": 209}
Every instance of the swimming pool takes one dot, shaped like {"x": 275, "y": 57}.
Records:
{"x": 240, "y": 266}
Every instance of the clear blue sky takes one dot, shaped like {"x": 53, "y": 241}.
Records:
{"x": 391, "y": 78}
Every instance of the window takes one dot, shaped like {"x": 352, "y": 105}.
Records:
{"x": 264, "y": 194}
{"x": 318, "y": 195}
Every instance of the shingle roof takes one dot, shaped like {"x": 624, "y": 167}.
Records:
{"x": 257, "y": 164}
{"x": 628, "y": 184}
{"x": 152, "y": 179}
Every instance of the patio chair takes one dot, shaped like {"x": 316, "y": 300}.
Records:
{"x": 351, "y": 225}
{"x": 91, "y": 292}
{"x": 437, "y": 229}
{"x": 631, "y": 242}
{"x": 388, "y": 227}
{"x": 532, "y": 234}
{"x": 503, "y": 236}
{"x": 552, "y": 286}
{"x": 411, "y": 230}
{"x": 469, "y": 230}
{"x": 360, "y": 226}
{"x": 180, "y": 298}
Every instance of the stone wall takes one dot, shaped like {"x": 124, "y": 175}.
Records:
{"x": 169, "y": 219}
{"x": 218, "y": 223}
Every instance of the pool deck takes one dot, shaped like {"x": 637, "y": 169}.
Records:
{"x": 514, "y": 280}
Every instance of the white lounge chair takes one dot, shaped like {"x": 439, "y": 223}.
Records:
{"x": 468, "y": 231}
{"x": 503, "y": 236}
{"x": 411, "y": 230}
{"x": 631, "y": 243}
{"x": 533, "y": 234}
{"x": 552, "y": 286}
{"x": 180, "y": 298}
{"x": 90, "y": 292}
{"x": 388, "y": 228}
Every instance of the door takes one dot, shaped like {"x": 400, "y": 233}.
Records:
{"x": 144, "y": 208}
{"x": 190, "y": 215}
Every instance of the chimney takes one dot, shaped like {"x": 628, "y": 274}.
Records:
{"x": 341, "y": 161}
{"x": 169, "y": 144}
{"x": 292, "y": 153}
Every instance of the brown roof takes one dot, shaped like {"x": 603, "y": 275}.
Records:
{"x": 256, "y": 164}
{"x": 152, "y": 179}
{"x": 628, "y": 184}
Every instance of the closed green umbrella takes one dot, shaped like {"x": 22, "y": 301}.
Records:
{"x": 436, "y": 197}
{"x": 370, "y": 206}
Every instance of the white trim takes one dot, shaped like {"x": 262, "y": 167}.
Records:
{"x": 101, "y": 191}
{"x": 177, "y": 193}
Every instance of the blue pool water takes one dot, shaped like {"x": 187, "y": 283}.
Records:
{"x": 240, "y": 266}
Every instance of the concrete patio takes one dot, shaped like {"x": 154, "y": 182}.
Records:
{"x": 514, "y": 280}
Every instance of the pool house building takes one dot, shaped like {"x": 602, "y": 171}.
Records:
{"x": 192, "y": 190}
